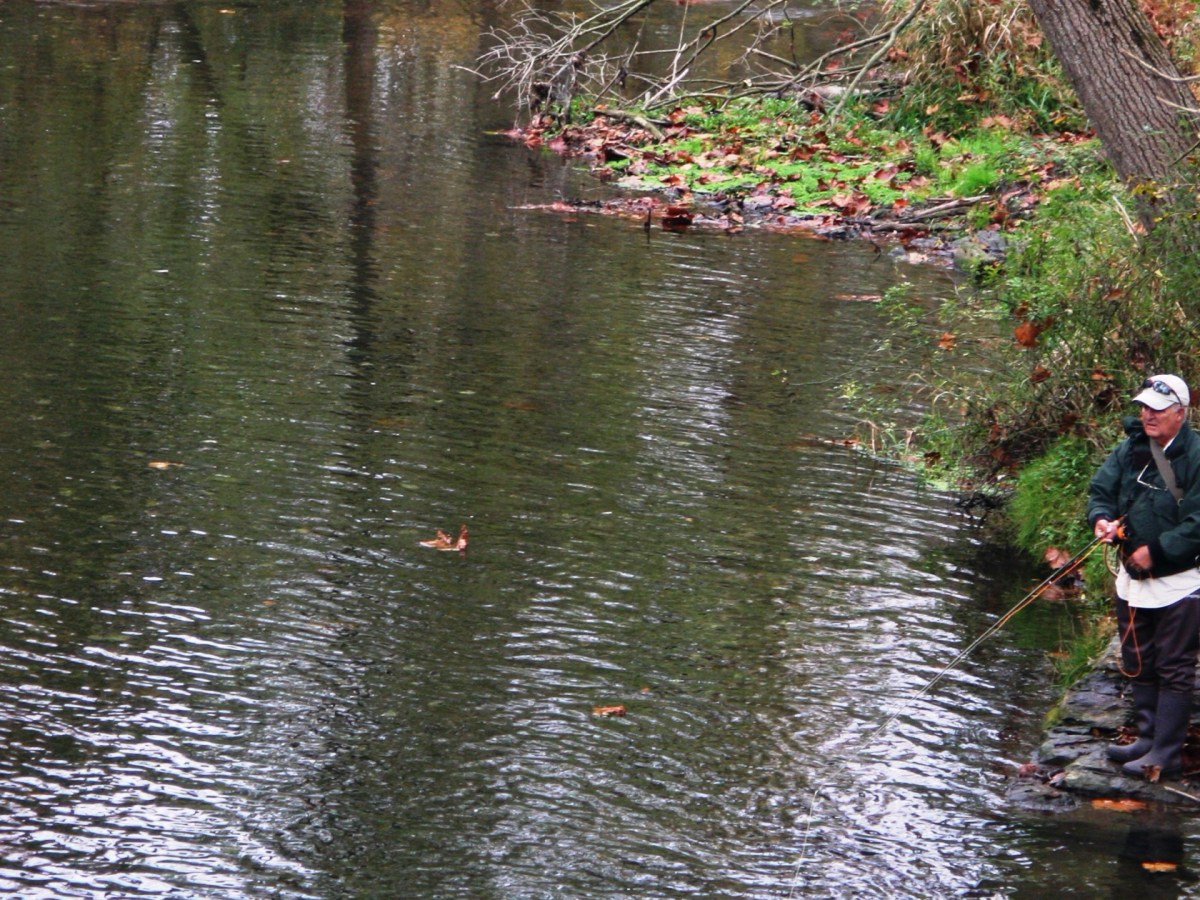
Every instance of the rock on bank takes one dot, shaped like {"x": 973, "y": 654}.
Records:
{"x": 1071, "y": 766}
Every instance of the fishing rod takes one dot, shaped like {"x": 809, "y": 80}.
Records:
{"x": 1066, "y": 569}
{"x": 1057, "y": 575}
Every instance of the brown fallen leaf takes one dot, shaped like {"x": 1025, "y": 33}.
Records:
{"x": 617, "y": 710}
{"x": 852, "y": 203}
{"x": 1159, "y": 866}
{"x": 522, "y": 405}
{"x": 1026, "y": 333}
{"x": 443, "y": 541}
{"x": 677, "y": 218}
{"x": 1120, "y": 804}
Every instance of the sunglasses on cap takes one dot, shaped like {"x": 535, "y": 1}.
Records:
{"x": 1160, "y": 387}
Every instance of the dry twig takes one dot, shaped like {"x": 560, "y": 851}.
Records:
{"x": 545, "y": 57}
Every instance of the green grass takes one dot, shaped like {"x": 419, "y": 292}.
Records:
{"x": 974, "y": 178}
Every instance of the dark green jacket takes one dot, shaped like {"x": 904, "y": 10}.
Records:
{"x": 1170, "y": 530}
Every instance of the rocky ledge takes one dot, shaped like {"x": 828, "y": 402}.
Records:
{"x": 1071, "y": 766}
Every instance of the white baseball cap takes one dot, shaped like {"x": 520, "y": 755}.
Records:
{"x": 1160, "y": 391}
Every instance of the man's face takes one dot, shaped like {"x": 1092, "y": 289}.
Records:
{"x": 1162, "y": 425}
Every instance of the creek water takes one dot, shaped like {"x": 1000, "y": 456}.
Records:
{"x": 278, "y": 306}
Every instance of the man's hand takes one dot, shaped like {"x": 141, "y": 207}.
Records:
{"x": 1107, "y": 531}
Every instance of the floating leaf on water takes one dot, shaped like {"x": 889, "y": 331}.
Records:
{"x": 522, "y": 405}
{"x": 164, "y": 464}
{"x": 443, "y": 541}
{"x": 817, "y": 440}
{"x": 1119, "y": 804}
{"x": 865, "y": 298}
{"x": 1159, "y": 866}
{"x": 392, "y": 422}
{"x": 616, "y": 710}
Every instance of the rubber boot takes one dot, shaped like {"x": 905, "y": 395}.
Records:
{"x": 1145, "y": 704}
{"x": 1171, "y": 722}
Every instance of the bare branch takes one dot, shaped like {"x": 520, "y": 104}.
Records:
{"x": 889, "y": 40}
{"x": 545, "y": 58}
{"x": 1171, "y": 103}
{"x": 633, "y": 10}
{"x": 1165, "y": 76}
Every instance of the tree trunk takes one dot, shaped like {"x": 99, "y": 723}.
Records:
{"x": 1122, "y": 72}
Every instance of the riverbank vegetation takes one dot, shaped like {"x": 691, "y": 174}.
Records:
{"x": 925, "y": 122}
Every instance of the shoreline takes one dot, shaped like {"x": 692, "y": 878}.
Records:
{"x": 960, "y": 249}
{"x": 926, "y": 230}
{"x": 1071, "y": 768}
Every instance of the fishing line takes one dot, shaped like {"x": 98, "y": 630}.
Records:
{"x": 1130, "y": 635}
{"x": 1067, "y": 568}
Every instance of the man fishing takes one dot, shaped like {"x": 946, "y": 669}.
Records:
{"x": 1145, "y": 498}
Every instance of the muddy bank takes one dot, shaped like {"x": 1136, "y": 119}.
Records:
{"x": 1071, "y": 767}
{"x": 965, "y": 250}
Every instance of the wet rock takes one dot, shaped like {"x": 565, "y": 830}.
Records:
{"x": 1072, "y": 753}
{"x": 978, "y": 251}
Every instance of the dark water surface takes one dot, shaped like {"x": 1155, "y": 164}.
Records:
{"x": 275, "y": 310}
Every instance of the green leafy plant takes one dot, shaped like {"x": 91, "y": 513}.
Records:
{"x": 1048, "y": 500}
{"x": 969, "y": 61}
{"x": 1083, "y": 647}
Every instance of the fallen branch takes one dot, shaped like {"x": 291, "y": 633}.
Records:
{"x": 640, "y": 121}
{"x": 889, "y": 39}
{"x": 945, "y": 209}
{"x": 886, "y": 226}
{"x": 1167, "y": 787}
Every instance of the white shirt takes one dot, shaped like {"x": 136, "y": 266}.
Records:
{"x": 1154, "y": 593}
